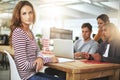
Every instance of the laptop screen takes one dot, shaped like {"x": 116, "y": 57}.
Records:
{"x": 63, "y": 48}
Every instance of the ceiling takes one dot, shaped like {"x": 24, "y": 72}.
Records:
{"x": 67, "y": 8}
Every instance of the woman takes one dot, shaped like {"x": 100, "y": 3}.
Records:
{"x": 102, "y": 20}
{"x": 27, "y": 57}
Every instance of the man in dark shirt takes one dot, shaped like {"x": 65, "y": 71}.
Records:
{"x": 109, "y": 51}
{"x": 113, "y": 54}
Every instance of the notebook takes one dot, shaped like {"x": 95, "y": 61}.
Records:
{"x": 64, "y": 49}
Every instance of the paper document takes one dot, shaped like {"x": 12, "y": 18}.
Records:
{"x": 65, "y": 59}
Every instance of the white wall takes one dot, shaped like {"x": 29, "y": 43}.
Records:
{"x": 43, "y": 26}
{"x": 76, "y": 24}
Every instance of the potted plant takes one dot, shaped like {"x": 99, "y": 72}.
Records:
{"x": 39, "y": 41}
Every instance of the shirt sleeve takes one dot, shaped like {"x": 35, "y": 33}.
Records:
{"x": 111, "y": 59}
{"x": 19, "y": 45}
{"x": 93, "y": 48}
{"x": 76, "y": 45}
{"x": 45, "y": 59}
{"x": 101, "y": 49}
{"x": 98, "y": 35}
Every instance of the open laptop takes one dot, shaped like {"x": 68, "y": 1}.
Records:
{"x": 64, "y": 49}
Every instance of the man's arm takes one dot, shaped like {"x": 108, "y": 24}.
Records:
{"x": 111, "y": 59}
{"x": 93, "y": 48}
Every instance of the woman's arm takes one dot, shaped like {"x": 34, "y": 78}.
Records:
{"x": 98, "y": 35}
{"x": 19, "y": 45}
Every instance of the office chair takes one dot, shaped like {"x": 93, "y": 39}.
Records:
{"x": 14, "y": 75}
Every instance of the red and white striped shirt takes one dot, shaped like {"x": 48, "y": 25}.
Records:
{"x": 26, "y": 51}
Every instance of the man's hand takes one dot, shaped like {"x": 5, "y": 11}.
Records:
{"x": 77, "y": 54}
{"x": 39, "y": 64}
{"x": 85, "y": 55}
{"x": 97, "y": 56}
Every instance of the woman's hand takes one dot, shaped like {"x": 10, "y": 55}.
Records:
{"x": 54, "y": 59}
{"x": 39, "y": 64}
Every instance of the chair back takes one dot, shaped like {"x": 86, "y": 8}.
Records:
{"x": 14, "y": 75}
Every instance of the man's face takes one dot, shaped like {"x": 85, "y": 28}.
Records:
{"x": 106, "y": 32}
{"x": 86, "y": 33}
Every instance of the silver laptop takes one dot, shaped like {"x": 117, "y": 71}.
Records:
{"x": 63, "y": 48}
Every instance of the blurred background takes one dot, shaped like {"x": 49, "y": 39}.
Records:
{"x": 62, "y": 14}
{"x": 57, "y": 19}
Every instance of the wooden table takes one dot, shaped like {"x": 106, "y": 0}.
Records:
{"x": 79, "y": 70}
{"x": 7, "y": 48}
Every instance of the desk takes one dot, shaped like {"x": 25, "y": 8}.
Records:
{"x": 79, "y": 70}
{"x": 7, "y": 48}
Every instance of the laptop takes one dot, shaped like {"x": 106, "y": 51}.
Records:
{"x": 63, "y": 49}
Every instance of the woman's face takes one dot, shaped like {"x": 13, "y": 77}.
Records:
{"x": 106, "y": 32}
{"x": 101, "y": 23}
{"x": 26, "y": 15}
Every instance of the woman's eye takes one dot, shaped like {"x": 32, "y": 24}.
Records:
{"x": 24, "y": 13}
{"x": 30, "y": 12}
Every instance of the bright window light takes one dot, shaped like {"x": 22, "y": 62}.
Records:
{"x": 88, "y": 1}
{"x": 60, "y": 0}
{"x": 53, "y": 12}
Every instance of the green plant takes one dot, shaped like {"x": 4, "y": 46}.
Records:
{"x": 38, "y": 41}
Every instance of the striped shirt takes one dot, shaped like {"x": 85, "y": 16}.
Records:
{"x": 26, "y": 51}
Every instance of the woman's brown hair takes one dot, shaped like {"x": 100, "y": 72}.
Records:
{"x": 16, "y": 20}
{"x": 104, "y": 17}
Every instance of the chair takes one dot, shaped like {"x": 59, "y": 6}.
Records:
{"x": 3, "y": 60}
{"x": 14, "y": 75}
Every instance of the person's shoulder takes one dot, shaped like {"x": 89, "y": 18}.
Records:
{"x": 17, "y": 30}
{"x": 93, "y": 41}
{"x": 115, "y": 41}
{"x": 79, "y": 40}
{"x": 104, "y": 43}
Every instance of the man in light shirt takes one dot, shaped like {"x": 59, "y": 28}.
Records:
{"x": 86, "y": 44}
